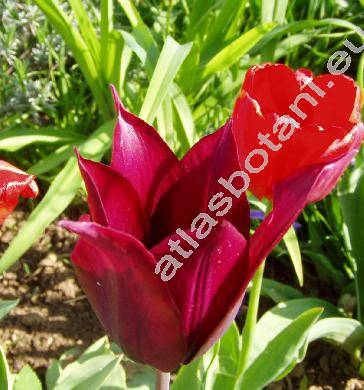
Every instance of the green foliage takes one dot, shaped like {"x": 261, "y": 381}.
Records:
{"x": 96, "y": 368}
{"x": 27, "y": 379}
{"x": 281, "y": 339}
{"x": 352, "y": 200}
{"x": 180, "y": 65}
{"x": 6, "y": 306}
{"x": 5, "y": 376}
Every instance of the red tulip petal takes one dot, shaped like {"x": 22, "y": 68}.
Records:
{"x": 14, "y": 183}
{"x": 208, "y": 284}
{"x": 339, "y": 107}
{"x": 141, "y": 155}
{"x": 134, "y": 305}
{"x": 303, "y": 76}
{"x": 309, "y": 144}
{"x": 290, "y": 196}
{"x": 112, "y": 200}
{"x": 247, "y": 123}
{"x": 274, "y": 86}
{"x": 191, "y": 194}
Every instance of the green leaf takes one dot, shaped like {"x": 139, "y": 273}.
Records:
{"x": 291, "y": 242}
{"x": 280, "y": 316}
{"x": 223, "y": 376}
{"x": 106, "y": 27}
{"x": 281, "y": 353}
{"x": 5, "y": 376}
{"x": 87, "y": 29}
{"x": 297, "y": 26}
{"x": 188, "y": 377}
{"x": 53, "y": 160}
{"x": 92, "y": 373}
{"x": 165, "y": 120}
{"x": 6, "y": 306}
{"x": 15, "y": 139}
{"x": 143, "y": 45}
{"x": 116, "y": 380}
{"x": 53, "y": 372}
{"x": 280, "y": 10}
{"x": 267, "y": 11}
{"x": 232, "y": 53}
{"x": 200, "y": 373}
{"x": 131, "y": 12}
{"x": 187, "y": 133}
{"x": 351, "y": 198}
{"x": 144, "y": 380}
{"x": 279, "y": 292}
{"x": 27, "y": 379}
{"x": 80, "y": 51}
{"x": 170, "y": 59}
{"x": 222, "y": 24}
{"x": 345, "y": 332}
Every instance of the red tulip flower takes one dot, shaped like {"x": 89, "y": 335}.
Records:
{"x": 310, "y": 130}
{"x": 13, "y": 184}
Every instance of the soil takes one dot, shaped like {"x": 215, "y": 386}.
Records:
{"x": 53, "y": 315}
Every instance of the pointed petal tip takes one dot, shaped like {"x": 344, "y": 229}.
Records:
{"x": 72, "y": 226}
{"x": 118, "y": 105}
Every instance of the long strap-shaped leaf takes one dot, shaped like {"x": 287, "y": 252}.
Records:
{"x": 79, "y": 49}
{"x": 232, "y": 53}
{"x": 86, "y": 28}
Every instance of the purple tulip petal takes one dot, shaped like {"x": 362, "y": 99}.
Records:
{"x": 207, "y": 283}
{"x": 141, "y": 155}
{"x": 191, "y": 194}
{"x": 112, "y": 200}
{"x": 292, "y": 195}
{"x": 117, "y": 274}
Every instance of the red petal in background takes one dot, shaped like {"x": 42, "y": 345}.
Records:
{"x": 13, "y": 184}
{"x": 274, "y": 86}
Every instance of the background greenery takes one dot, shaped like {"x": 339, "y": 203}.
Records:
{"x": 179, "y": 64}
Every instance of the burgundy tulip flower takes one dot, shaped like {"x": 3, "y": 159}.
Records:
{"x": 13, "y": 184}
{"x": 147, "y": 206}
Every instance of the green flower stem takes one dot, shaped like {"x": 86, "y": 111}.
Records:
{"x": 251, "y": 320}
{"x": 162, "y": 380}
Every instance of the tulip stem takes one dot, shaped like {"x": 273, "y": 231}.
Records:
{"x": 162, "y": 380}
{"x": 251, "y": 320}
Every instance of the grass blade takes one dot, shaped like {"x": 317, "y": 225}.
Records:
{"x": 15, "y": 139}
{"x": 106, "y": 26}
{"x": 170, "y": 59}
{"x": 232, "y": 53}
{"x": 87, "y": 29}
{"x": 131, "y": 12}
{"x": 80, "y": 51}
{"x": 291, "y": 242}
